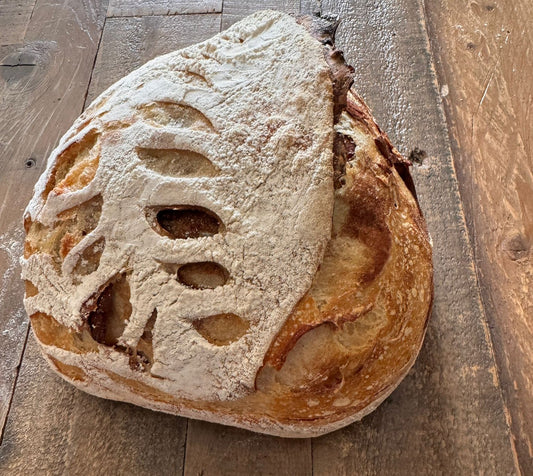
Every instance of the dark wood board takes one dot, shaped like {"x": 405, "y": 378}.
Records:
{"x": 485, "y": 67}
{"x": 42, "y": 88}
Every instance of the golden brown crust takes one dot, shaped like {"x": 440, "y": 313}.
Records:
{"x": 50, "y": 332}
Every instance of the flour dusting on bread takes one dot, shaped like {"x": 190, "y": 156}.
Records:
{"x": 226, "y": 234}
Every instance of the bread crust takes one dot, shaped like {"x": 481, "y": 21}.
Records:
{"x": 348, "y": 342}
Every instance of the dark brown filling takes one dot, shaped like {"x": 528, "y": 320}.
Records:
{"x": 108, "y": 311}
{"x": 343, "y": 151}
{"x": 182, "y": 221}
{"x": 323, "y": 29}
{"x": 188, "y": 223}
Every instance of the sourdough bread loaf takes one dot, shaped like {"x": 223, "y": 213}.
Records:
{"x": 226, "y": 234}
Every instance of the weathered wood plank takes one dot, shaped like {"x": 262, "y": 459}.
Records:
{"x": 42, "y": 88}
{"x": 94, "y": 436}
{"x": 215, "y": 450}
{"x": 485, "y": 64}
{"x": 128, "y": 43}
{"x": 235, "y": 10}
{"x": 56, "y": 429}
{"x": 14, "y": 326}
{"x": 14, "y": 18}
{"x": 129, "y": 8}
{"x": 447, "y": 417}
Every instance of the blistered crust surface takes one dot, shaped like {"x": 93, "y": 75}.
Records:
{"x": 234, "y": 107}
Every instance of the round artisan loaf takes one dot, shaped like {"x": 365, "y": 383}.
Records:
{"x": 226, "y": 234}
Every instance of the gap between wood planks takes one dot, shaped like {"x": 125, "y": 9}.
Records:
{"x": 12, "y": 394}
{"x": 488, "y": 333}
{"x": 85, "y": 105}
{"x": 39, "y": 44}
{"x": 483, "y": 53}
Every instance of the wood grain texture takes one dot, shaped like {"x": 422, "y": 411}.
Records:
{"x": 125, "y": 8}
{"x": 235, "y": 10}
{"x": 106, "y": 437}
{"x": 56, "y": 429}
{"x": 485, "y": 62}
{"x": 42, "y": 88}
{"x": 13, "y": 321}
{"x": 128, "y": 43}
{"x": 215, "y": 450}
{"x": 447, "y": 417}
{"x": 310, "y": 7}
{"x": 14, "y": 18}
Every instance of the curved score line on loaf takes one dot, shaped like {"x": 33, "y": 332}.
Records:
{"x": 192, "y": 78}
{"x": 106, "y": 316}
{"x": 167, "y": 113}
{"x": 75, "y": 167}
{"x": 177, "y": 162}
{"x": 71, "y": 227}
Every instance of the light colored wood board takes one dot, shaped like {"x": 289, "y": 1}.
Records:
{"x": 125, "y": 8}
{"x": 485, "y": 64}
{"x": 6, "y": 50}
{"x": 235, "y": 10}
{"x": 14, "y": 18}
{"x": 128, "y": 43}
{"x": 42, "y": 88}
{"x": 447, "y": 417}
{"x": 14, "y": 323}
{"x": 215, "y": 450}
{"x": 13, "y": 327}
{"x": 53, "y": 428}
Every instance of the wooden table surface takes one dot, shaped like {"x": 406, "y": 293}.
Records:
{"x": 451, "y": 83}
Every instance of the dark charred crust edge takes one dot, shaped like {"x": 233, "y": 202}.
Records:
{"x": 323, "y": 29}
{"x": 346, "y": 99}
{"x": 357, "y": 108}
